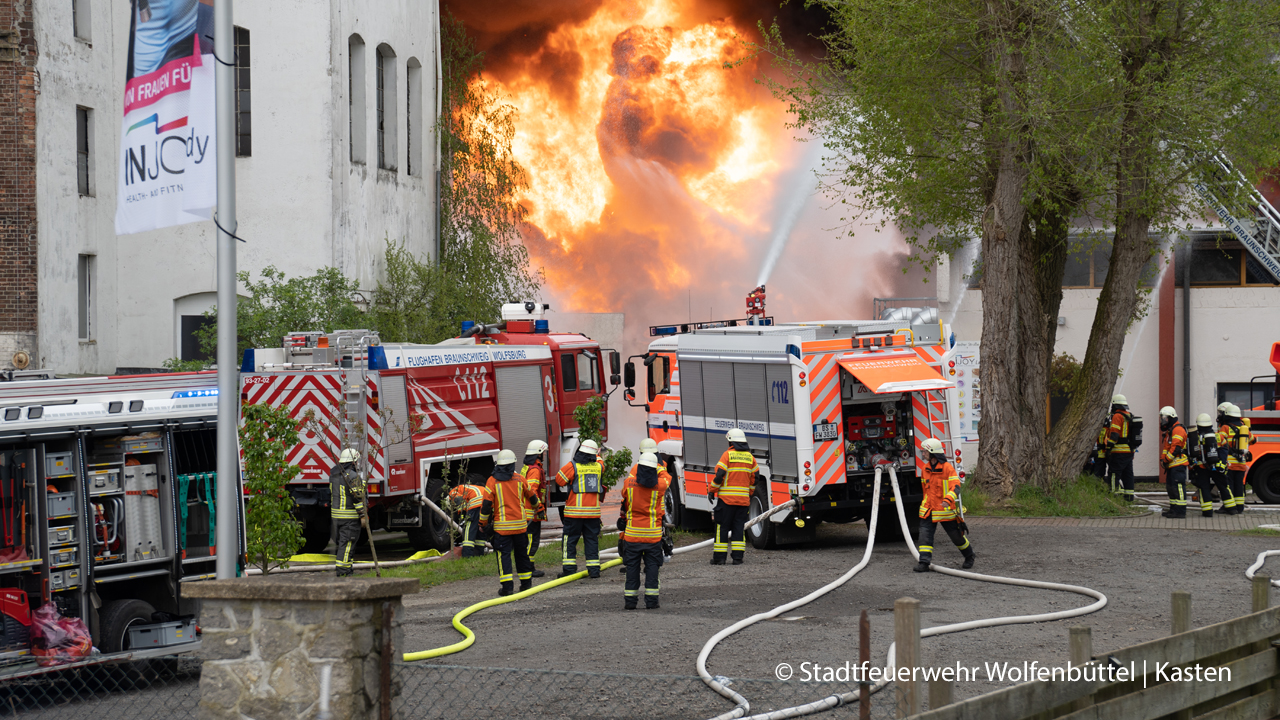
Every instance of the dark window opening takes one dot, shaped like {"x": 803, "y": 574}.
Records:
{"x": 191, "y": 327}
{"x": 84, "y": 150}
{"x": 568, "y": 373}
{"x": 244, "y": 106}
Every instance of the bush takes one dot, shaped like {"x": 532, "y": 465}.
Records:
{"x": 273, "y": 535}
{"x": 590, "y": 417}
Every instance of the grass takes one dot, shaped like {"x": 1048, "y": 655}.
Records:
{"x": 1084, "y": 496}
{"x": 455, "y": 569}
{"x": 1257, "y": 532}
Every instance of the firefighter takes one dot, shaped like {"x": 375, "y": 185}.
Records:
{"x": 581, "y": 512}
{"x": 941, "y": 484}
{"x": 642, "y": 512}
{"x": 647, "y": 445}
{"x": 346, "y": 487}
{"x": 1203, "y": 444}
{"x": 1233, "y": 452}
{"x": 733, "y": 484}
{"x": 1100, "y": 451}
{"x": 535, "y": 477}
{"x": 1119, "y": 449}
{"x": 506, "y": 497}
{"x": 1173, "y": 457}
{"x": 467, "y": 498}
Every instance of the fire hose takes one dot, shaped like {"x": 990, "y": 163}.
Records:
{"x": 1257, "y": 565}
{"x": 743, "y": 706}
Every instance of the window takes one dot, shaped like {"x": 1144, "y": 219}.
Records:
{"x": 568, "y": 373}
{"x": 355, "y": 98}
{"x": 1089, "y": 260}
{"x": 587, "y": 365}
{"x": 1247, "y": 395}
{"x": 191, "y": 327}
{"x": 385, "y": 85}
{"x": 84, "y": 151}
{"x": 244, "y": 108}
{"x": 82, "y": 20}
{"x": 659, "y": 377}
{"x": 413, "y": 118}
{"x": 1219, "y": 262}
{"x": 84, "y": 277}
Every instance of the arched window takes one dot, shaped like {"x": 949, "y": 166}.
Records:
{"x": 413, "y": 118}
{"x": 386, "y": 107}
{"x": 355, "y": 98}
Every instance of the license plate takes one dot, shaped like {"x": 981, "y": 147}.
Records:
{"x": 825, "y": 431}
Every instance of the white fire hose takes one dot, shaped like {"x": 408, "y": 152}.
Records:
{"x": 1257, "y": 565}
{"x": 743, "y": 707}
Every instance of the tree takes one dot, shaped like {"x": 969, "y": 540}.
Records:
{"x": 1011, "y": 120}
{"x": 590, "y": 418}
{"x": 272, "y": 533}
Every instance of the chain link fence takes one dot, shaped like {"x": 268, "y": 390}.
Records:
{"x": 161, "y": 688}
{"x": 450, "y": 691}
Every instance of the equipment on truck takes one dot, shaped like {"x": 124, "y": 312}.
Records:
{"x": 425, "y": 417}
{"x": 1261, "y": 416}
{"x": 822, "y": 405}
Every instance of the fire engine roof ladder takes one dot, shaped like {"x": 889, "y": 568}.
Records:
{"x": 353, "y": 392}
{"x": 1262, "y": 239}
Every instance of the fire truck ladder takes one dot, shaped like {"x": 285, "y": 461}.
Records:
{"x": 1261, "y": 236}
{"x": 935, "y": 403}
{"x": 355, "y": 345}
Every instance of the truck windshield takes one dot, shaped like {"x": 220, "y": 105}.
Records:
{"x": 587, "y": 371}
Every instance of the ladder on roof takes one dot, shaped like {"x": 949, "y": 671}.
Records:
{"x": 1260, "y": 236}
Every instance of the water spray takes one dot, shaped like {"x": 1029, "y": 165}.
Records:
{"x": 800, "y": 194}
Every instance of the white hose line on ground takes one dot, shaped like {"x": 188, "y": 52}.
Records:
{"x": 1257, "y": 565}
{"x": 846, "y": 698}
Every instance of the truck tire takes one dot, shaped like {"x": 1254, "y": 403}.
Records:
{"x": 764, "y": 536}
{"x": 116, "y": 617}
{"x": 674, "y": 511}
{"x": 435, "y": 533}
{"x": 1264, "y": 477}
{"x": 316, "y": 533}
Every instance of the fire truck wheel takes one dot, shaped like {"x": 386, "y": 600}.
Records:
{"x": 764, "y": 535}
{"x": 674, "y": 511}
{"x": 1265, "y": 479}
{"x": 115, "y": 619}
{"x": 435, "y": 533}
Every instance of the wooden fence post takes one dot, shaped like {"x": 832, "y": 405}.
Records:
{"x": 941, "y": 692}
{"x": 906, "y": 636}
{"x": 1261, "y": 593}
{"x": 864, "y": 661}
{"x": 1081, "y": 649}
{"x": 1181, "y": 623}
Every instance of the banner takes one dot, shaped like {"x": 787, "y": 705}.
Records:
{"x": 168, "y": 168}
{"x": 967, "y": 375}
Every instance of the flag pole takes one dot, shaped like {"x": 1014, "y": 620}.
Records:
{"x": 228, "y": 500}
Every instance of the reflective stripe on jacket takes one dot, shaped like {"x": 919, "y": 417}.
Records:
{"x": 467, "y": 497}
{"x": 735, "y": 477}
{"x": 534, "y": 478}
{"x": 1234, "y": 439}
{"x": 1173, "y": 447}
{"x": 580, "y": 504}
{"x": 1118, "y": 433}
{"x": 940, "y": 485}
{"x": 347, "y": 491}
{"x": 643, "y": 508}
{"x": 1101, "y": 447}
{"x": 505, "y": 501}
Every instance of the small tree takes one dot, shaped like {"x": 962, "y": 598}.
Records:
{"x": 273, "y": 534}
{"x": 590, "y": 418}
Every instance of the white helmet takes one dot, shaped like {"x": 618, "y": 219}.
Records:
{"x": 1119, "y": 399}
{"x": 1222, "y": 407}
{"x": 1203, "y": 420}
{"x": 349, "y": 455}
{"x": 649, "y": 460}
{"x": 648, "y": 445}
{"x": 933, "y": 446}
{"x": 589, "y": 446}
{"x": 736, "y": 435}
{"x": 506, "y": 457}
{"x": 1169, "y": 412}
{"x": 536, "y": 447}
{"x": 1233, "y": 410}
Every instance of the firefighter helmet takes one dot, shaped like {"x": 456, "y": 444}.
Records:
{"x": 1169, "y": 412}
{"x": 1203, "y": 420}
{"x": 536, "y": 447}
{"x": 506, "y": 457}
{"x": 649, "y": 460}
{"x": 589, "y": 446}
{"x": 1222, "y": 407}
{"x": 933, "y": 446}
{"x": 736, "y": 435}
{"x": 1233, "y": 410}
{"x": 1119, "y": 399}
{"x": 349, "y": 455}
{"x": 648, "y": 445}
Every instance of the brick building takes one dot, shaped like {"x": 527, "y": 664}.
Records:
{"x": 19, "y": 296}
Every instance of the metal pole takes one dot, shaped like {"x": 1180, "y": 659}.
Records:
{"x": 1187, "y": 407}
{"x": 228, "y": 536}
{"x": 439, "y": 117}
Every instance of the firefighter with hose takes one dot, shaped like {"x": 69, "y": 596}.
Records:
{"x": 1173, "y": 457}
{"x": 1203, "y": 444}
{"x": 1121, "y": 442}
{"x": 535, "y": 476}
{"x": 941, "y": 504}
{"x": 466, "y": 499}
{"x": 506, "y": 497}
{"x": 346, "y": 487}
{"x": 733, "y": 484}
{"x": 643, "y": 496}
{"x": 1234, "y": 439}
{"x": 584, "y": 476}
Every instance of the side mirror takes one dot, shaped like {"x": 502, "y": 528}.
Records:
{"x": 629, "y": 377}
{"x": 628, "y": 394}
{"x": 615, "y": 360}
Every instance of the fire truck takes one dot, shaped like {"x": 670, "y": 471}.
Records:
{"x": 822, "y": 404}
{"x": 1263, "y": 415}
{"x": 107, "y": 506}
{"x": 425, "y": 417}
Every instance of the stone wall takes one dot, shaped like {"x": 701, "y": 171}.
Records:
{"x": 266, "y": 639}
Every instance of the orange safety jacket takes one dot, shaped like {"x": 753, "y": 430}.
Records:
{"x": 505, "y": 500}
{"x": 535, "y": 479}
{"x": 940, "y": 485}
{"x": 1118, "y": 434}
{"x": 1101, "y": 447}
{"x": 735, "y": 477}
{"x": 643, "y": 508}
{"x": 582, "y": 504}
{"x": 1235, "y": 440}
{"x": 1173, "y": 447}
{"x": 466, "y": 497}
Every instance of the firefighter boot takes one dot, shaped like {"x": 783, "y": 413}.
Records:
{"x": 629, "y": 603}
{"x": 1207, "y": 513}
{"x": 593, "y": 573}
{"x": 717, "y": 558}
{"x": 651, "y": 604}
{"x": 969, "y": 557}
{"x": 538, "y": 573}
{"x": 525, "y": 585}
{"x": 505, "y": 589}
{"x": 921, "y": 566}
{"x": 1178, "y": 512}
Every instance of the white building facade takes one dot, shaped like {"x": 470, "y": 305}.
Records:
{"x": 337, "y": 105}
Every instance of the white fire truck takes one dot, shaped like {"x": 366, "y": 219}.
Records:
{"x": 424, "y": 415}
{"x": 822, "y": 405}
{"x": 107, "y": 505}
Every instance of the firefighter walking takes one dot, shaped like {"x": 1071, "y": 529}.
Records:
{"x": 535, "y": 477}
{"x": 643, "y": 509}
{"x": 346, "y": 487}
{"x": 581, "y": 512}
{"x": 941, "y": 504}
{"x": 1120, "y": 442}
{"x": 1203, "y": 444}
{"x": 1173, "y": 458}
{"x": 733, "y": 484}
{"x": 1234, "y": 438}
{"x": 505, "y": 498}
{"x": 467, "y": 498}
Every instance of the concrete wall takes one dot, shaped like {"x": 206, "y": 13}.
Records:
{"x": 302, "y": 204}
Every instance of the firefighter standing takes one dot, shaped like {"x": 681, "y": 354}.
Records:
{"x": 1233, "y": 450}
{"x": 1100, "y": 451}
{"x": 1119, "y": 448}
{"x": 733, "y": 484}
{"x": 941, "y": 504}
{"x": 1173, "y": 457}
{"x": 467, "y": 498}
{"x": 347, "y": 489}
{"x": 647, "y": 445}
{"x": 642, "y": 509}
{"x": 535, "y": 477}
{"x": 505, "y": 498}
{"x": 1203, "y": 444}
{"x": 581, "y": 512}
